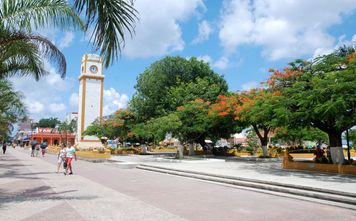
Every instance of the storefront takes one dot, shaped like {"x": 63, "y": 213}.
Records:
{"x": 52, "y": 136}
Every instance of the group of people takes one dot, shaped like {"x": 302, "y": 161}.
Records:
{"x": 65, "y": 157}
{"x": 35, "y": 148}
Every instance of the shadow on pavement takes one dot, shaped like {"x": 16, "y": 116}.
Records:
{"x": 40, "y": 193}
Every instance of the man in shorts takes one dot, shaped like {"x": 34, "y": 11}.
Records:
{"x": 70, "y": 154}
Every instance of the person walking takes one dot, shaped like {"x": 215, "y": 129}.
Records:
{"x": 43, "y": 148}
{"x": 33, "y": 147}
{"x": 61, "y": 157}
{"x": 70, "y": 154}
{"x": 37, "y": 149}
{"x": 4, "y": 146}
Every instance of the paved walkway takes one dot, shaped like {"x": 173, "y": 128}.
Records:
{"x": 31, "y": 190}
{"x": 266, "y": 171}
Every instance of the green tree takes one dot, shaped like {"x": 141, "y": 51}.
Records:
{"x": 66, "y": 127}
{"x": 198, "y": 122}
{"x": 119, "y": 125}
{"x": 352, "y": 138}
{"x": 260, "y": 109}
{"x": 321, "y": 94}
{"x": 172, "y": 82}
{"x": 11, "y": 108}
{"x": 157, "y": 128}
{"x": 298, "y": 135}
{"x": 48, "y": 122}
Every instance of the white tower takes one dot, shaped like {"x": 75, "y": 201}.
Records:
{"x": 91, "y": 89}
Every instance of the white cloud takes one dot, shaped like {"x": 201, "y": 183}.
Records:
{"x": 34, "y": 107}
{"x": 283, "y": 30}
{"x": 57, "y": 107}
{"x": 45, "y": 98}
{"x": 158, "y": 31}
{"x": 341, "y": 42}
{"x": 249, "y": 85}
{"x": 205, "y": 30}
{"x": 114, "y": 101}
{"x": 205, "y": 58}
{"x": 73, "y": 100}
{"x": 222, "y": 63}
{"x": 66, "y": 40}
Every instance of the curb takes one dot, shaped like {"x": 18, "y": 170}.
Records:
{"x": 304, "y": 191}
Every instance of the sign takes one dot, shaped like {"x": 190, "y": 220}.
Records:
{"x": 47, "y": 130}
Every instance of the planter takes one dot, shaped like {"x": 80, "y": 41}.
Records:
{"x": 288, "y": 163}
{"x": 94, "y": 154}
{"x": 318, "y": 167}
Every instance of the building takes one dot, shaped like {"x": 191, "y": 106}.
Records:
{"x": 91, "y": 90}
{"x": 52, "y": 136}
{"x": 24, "y": 131}
{"x": 71, "y": 116}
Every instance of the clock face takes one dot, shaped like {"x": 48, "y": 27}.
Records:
{"x": 93, "y": 69}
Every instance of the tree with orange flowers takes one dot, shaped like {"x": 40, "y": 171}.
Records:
{"x": 257, "y": 108}
{"x": 199, "y": 123}
{"x": 321, "y": 93}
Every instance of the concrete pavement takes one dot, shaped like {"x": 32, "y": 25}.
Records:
{"x": 30, "y": 190}
{"x": 256, "y": 170}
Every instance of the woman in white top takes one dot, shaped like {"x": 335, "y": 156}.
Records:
{"x": 70, "y": 154}
{"x": 61, "y": 157}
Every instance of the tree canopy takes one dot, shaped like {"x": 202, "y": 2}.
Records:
{"x": 172, "y": 82}
{"x": 321, "y": 93}
{"x": 51, "y": 122}
{"x": 12, "y": 108}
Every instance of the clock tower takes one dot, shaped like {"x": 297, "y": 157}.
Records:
{"x": 90, "y": 107}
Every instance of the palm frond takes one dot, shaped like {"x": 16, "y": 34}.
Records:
{"x": 29, "y": 14}
{"x": 24, "y": 52}
{"x": 111, "y": 19}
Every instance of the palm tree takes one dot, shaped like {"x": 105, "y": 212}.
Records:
{"x": 11, "y": 107}
{"x": 22, "y": 50}
{"x": 111, "y": 19}
{"x": 21, "y": 55}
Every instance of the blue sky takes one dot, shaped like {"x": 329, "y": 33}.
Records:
{"x": 240, "y": 39}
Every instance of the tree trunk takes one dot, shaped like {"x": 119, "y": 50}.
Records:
{"x": 191, "y": 149}
{"x": 336, "y": 151}
{"x": 180, "y": 151}
{"x": 263, "y": 139}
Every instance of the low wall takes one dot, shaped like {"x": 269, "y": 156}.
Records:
{"x": 311, "y": 155}
{"x": 94, "y": 154}
{"x": 288, "y": 163}
{"x": 319, "y": 167}
{"x": 85, "y": 154}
